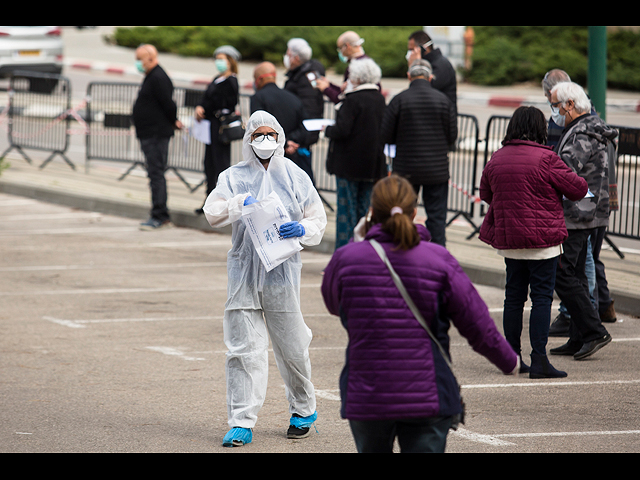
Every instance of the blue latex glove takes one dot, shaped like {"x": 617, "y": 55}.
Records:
{"x": 250, "y": 201}
{"x": 292, "y": 230}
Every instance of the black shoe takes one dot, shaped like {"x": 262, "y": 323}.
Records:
{"x": 591, "y": 348}
{"x": 560, "y": 327}
{"x": 567, "y": 350}
{"x": 524, "y": 368}
{"x": 541, "y": 368}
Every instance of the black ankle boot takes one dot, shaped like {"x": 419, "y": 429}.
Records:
{"x": 541, "y": 368}
{"x": 524, "y": 368}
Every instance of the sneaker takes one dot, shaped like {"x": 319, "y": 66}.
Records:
{"x": 237, "y": 437}
{"x": 153, "y": 224}
{"x": 301, "y": 426}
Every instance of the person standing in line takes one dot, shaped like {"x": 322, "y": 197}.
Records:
{"x": 356, "y": 156}
{"x": 445, "y": 78}
{"x": 350, "y": 47}
{"x": 396, "y": 381}
{"x": 423, "y": 124}
{"x": 524, "y": 183}
{"x": 584, "y": 148}
{"x": 155, "y": 117}
{"x": 220, "y": 99}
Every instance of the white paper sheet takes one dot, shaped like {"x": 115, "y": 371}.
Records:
{"x": 263, "y": 221}
{"x": 317, "y": 124}
{"x": 201, "y": 131}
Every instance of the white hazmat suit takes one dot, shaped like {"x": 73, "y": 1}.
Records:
{"x": 260, "y": 304}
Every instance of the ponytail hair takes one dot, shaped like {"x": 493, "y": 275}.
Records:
{"x": 393, "y": 204}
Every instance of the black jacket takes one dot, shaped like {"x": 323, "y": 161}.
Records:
{"x": 155, "y": 113}
{"x": 445, "y": 79}
{"x": 286, "y": 107}
{"x": 312, "y": 98}
{"x": 423, "y": 124}
{"x": 356, "y": 153}
{"x": 220, "y": 95}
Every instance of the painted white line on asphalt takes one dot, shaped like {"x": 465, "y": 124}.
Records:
{"x": 484, "y": 439}
{"x": 549, "y": 384}
{"x": 49, "y": 268}
{"x": 69, "y": 231}
{"x": 113, "y": 291}
{"x": 567, "y": 434}
{"x": 175, "y": 352}
{"x": 84, "y": 323}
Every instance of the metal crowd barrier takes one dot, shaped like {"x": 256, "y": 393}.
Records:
{"x": 40, "y": 112}
{"x": 38, "y": 115}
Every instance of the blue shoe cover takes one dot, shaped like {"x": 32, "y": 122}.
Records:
{"x": 306, "y": 422}
{"x": 237, "y": 437}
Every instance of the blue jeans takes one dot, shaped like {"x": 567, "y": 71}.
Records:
{"x": 427, "y": 435}
{"x": 540, "y": 276}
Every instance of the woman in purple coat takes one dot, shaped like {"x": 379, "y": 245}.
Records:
{"x": 396, "y": 382}
{"x": 524, "y": 184}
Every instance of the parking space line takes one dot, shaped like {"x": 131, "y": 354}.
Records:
{"x": 549, "y": 384}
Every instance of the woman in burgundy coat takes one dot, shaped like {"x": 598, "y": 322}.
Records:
{"x": 524, "y": 184}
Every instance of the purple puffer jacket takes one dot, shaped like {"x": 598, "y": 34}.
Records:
{"x": 393, "y": 370}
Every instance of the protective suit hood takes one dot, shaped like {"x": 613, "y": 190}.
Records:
{"x": 257, "y": 120}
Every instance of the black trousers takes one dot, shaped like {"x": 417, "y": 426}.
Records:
{"x": 572, "y": 286}
{"x": 217, "y": 157}
{"x": 156, "y": 152}
{"x": 436, "y": 198}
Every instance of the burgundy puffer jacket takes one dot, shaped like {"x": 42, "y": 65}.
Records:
{"x": 393, "y": 370}
{"x": 524, "y": 183}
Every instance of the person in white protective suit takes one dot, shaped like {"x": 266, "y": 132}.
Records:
{"x": 265, "y": 304}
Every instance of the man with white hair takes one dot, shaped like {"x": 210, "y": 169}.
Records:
{"x": 302, "y": 75}
{"x": 584, "y": 148}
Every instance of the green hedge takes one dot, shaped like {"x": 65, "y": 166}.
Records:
{"x": 506, "y": 55}
{"x": 503, "y": 55}
{"x": 386, "y": 44}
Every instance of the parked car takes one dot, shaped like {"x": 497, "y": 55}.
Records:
{"x": 31, "y": 49}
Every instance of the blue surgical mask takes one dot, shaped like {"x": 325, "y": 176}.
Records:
{"x": 140, "y": 67}
{"x": 222, "y": 65}
{"x": 558, "y": 119}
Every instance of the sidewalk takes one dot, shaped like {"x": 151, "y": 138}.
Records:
{"x": 101, "y": 191}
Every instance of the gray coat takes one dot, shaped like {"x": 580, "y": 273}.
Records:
{"x": 584, "y": 148}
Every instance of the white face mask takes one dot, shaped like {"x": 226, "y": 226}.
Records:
{"x": 265, "y": 147}
{"x": 557, "y": 118}
{"x": 287, "y": 62}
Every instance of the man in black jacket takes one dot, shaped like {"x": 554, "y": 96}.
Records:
{"x": 423, "y": 124}
{"x": 155, "y": 116}
{"x": 287, "y": 109}
{"x": 445, "y": 78}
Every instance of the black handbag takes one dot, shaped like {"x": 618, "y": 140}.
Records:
{"x": 231, "y": 127}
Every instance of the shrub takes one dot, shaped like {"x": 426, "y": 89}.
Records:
{"x": 386, "y": 44}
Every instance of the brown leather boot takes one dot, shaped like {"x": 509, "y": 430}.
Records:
{"x": 609, "y": 316}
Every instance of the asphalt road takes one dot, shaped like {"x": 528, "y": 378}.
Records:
{"x": 111, "y": 341}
